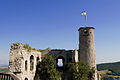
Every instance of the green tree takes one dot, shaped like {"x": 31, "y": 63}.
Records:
{"x": 46, "y": 69}
{"x": 80, "y": 71}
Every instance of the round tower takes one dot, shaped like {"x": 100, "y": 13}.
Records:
{"x": 87, "y": 46}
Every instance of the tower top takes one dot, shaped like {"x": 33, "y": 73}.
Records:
{"x": 86, "y": 28}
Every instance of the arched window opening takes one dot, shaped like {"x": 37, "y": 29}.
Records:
{"x": 26, "y": 78}
{"x": 38, "y": 59}
{"x": 60, "y": 63}
{"x": 26, "y": 65}
{"x": 31, "y": 62}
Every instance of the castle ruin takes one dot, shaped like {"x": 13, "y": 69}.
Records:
{"x": 22, "y": 62}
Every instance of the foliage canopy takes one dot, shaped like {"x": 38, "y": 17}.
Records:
{"x": 46, "y": 69}
{"x": 80, "y": 71}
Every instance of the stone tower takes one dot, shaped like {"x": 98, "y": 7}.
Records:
{"x": 87, "y": 46}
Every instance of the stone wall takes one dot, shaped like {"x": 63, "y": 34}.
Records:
{"x": 66, "y": 55}
{"x": 23, "y": 62}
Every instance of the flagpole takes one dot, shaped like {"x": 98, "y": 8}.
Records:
{"x": 86, "y": 20}
{"x": 85, "y": 14}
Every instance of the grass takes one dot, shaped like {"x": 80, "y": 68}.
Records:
{"x": 105, "y": 75}
{"x": 104, "y": 72}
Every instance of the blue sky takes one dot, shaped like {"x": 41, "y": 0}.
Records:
{"x": 55, "y": 23}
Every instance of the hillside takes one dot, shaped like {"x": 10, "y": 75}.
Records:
{"x": 109, "y": 71}
{"x": 3, "y": 68}
{"x": 113, "y": 67}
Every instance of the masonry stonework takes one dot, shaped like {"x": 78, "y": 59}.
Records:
{"x": 87, "y": 47}
{"x": 22, "y": 62}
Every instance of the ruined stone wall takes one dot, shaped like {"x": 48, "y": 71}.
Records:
{"x": 75, "y": 56}
{"x": 23, "y": 62}
{"x": 66, "y": 55}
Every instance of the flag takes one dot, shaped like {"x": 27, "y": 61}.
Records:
{"x": 83, "y": 13}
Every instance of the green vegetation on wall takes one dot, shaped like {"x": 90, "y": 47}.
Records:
{"x": 26, "y": 46}
{"x": 29, "y": 48}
